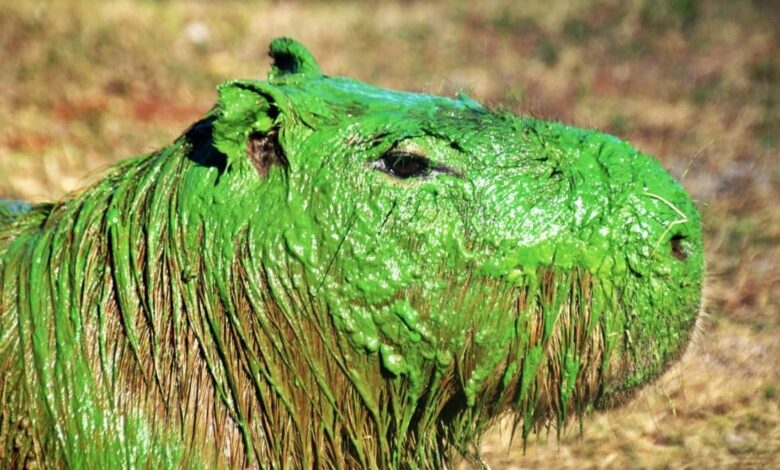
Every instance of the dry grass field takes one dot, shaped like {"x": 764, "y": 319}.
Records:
{"x": 696, "y": 83}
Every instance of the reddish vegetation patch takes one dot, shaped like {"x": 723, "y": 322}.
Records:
{"x": 159, "y": 108}
{"x": 26, "y": 142}
{"x": 65, "y": 109}
{"x": 152, "y": 108}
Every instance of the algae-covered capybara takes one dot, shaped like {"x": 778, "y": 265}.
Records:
{"x": 322, "y": 273}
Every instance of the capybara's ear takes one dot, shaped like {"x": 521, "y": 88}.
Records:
{"x": 291, "y": 61}
{"x": 264, "y": 151}
{"x": 248, "y": 118}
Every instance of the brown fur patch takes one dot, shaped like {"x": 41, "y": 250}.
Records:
{"x": 264, "y": 151}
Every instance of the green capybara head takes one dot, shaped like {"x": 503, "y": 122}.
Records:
{"x": 348, "y": 275}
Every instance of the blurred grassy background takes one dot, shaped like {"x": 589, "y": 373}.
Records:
{"x": 696, "y": 83}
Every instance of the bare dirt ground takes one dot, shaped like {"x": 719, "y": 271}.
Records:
{"x": 696, "y": 83}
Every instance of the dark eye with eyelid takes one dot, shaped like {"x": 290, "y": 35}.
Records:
{"x": 405, "y": 165}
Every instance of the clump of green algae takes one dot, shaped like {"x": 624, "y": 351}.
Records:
{"x": 324, "y": 273}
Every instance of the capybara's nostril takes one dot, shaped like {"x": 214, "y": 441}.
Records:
{"x": 678, "y": 250}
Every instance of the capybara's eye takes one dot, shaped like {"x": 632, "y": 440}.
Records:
{"x": 405, "y": 165}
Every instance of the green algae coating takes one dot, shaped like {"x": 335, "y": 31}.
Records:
{"x": 269, "y": 290}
